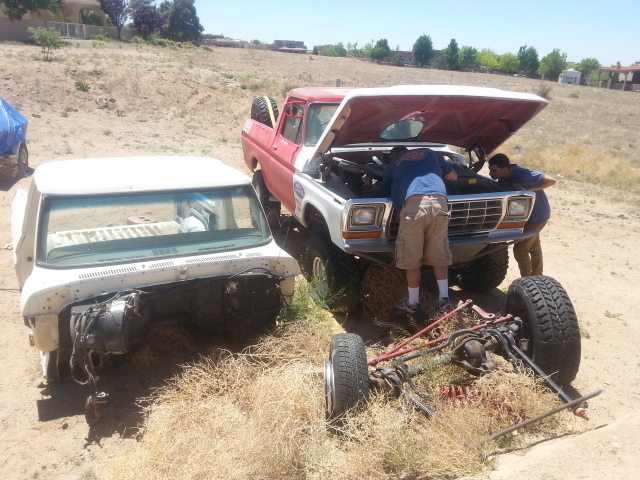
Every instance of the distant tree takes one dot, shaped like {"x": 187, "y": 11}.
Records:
{"x": 46, "y": 38}
{"x": 451, "y": 55}
{"x": 15, "y": 9}
{"x": 147, "y": 21}
{"x": 509, "y": 63}
{"x": 587, "y": 66}
{"x": 183, "y": 24}
{"x": 528, "y": 57}
{"x": 398, "y": 60}
{"x": 468, "y": 57}
{"x": 552, "y": 65}
{"x": 91, "y": 17}
{"x": 381, "y": 49}
{"x": 337, "y": 50}
{"x": 133, "y": 5}
{"x": 116, "y": 10}
{"x": 256, "y": 42}
{"x": 423, "y": 49}
{"x": 488, "y": 58}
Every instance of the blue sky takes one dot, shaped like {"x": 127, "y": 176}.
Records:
{"x": 582, "y": 29}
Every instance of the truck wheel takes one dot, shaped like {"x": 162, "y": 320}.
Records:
{"x": 23, "y": 160}
{"x": 346, "y": 375}
{"x": 271, "y": 209}
{"x": 551, "y": 336}
{"x": 483, "y": 273}
{"x": 335, "y": 276}
{"x": 264, "y": 110}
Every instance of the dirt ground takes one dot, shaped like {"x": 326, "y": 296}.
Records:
{"x": 590, "y": 246}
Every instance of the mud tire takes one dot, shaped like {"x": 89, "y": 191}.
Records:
{"x": 23, "y": 160}
{"x": 335, "y": 276}
{"x": 484, "y": 273}
{"x": 551, "y": 328}
{"x": 261, "y": 109}
{"x": 346, "y": 375}
{"x": 271, "y": 209}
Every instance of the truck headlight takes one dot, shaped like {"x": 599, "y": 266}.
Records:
{"x": 363, "y": 216}
{"x": 519, "y": 207}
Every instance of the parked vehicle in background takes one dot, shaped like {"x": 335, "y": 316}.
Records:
{"x": 324, "y": 154}
{"x": 13, "y": 132}
{"x": 107, "y": 249}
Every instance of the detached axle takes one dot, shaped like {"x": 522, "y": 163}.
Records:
{"x": 544, "y": 339}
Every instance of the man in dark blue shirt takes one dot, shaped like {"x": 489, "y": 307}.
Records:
{"x": 527, "y": 253}
{"x": 415, "y": 180}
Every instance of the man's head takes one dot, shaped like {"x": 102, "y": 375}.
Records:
{"x": 396, "y": 152}
{"x": 499, "y": 167}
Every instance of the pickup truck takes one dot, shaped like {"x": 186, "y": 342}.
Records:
{"x": 322, "y": 154}
{"x": 106, "y": 250}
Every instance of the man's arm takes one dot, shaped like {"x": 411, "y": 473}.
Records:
{"x": 452, "y": 175}
{"x": 548, "y": 181}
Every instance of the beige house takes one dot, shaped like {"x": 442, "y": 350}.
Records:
{"x": 70, "y": 12}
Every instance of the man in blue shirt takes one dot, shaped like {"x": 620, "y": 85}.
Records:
{"x": 527, "y": 253}
{"x": 415, "y": 180}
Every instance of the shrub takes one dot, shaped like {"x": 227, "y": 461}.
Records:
{"x": 82, "y": 86}
{"x": 46, "y": 38}
{"x": 543, "y": 90}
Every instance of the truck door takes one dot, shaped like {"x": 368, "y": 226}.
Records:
{"x": 285, "y": 148}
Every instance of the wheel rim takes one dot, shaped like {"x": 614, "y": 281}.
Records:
{"x": 22, "y": 163}
{"x": 329, "y": 388}
{"x": 321, "y": 282}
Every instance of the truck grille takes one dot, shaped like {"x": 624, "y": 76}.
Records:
{"x": 467, "y": 217}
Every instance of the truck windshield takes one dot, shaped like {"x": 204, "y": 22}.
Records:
{"x": 318, "y": 117}
{"x": 81, "y": 231}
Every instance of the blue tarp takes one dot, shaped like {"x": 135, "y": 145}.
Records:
{"x": 13, "y": 127}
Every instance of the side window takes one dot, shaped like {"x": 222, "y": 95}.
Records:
{"x": 292, "y": 127}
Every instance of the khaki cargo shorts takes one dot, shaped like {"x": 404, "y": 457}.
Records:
{"x": 423, "y": 234}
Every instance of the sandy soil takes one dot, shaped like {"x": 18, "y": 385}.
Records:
{"x": 590, "y": 246}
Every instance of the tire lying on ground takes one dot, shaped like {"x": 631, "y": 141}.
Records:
{"x": 264, "y": 110}
{"x": 551, "y": 336}
{"x": 23, "y": 160}
{"x": 346, "y": 375}
{"x": 335, "y": 276}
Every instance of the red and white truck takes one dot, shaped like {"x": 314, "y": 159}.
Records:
{"x": 322, "y": 153}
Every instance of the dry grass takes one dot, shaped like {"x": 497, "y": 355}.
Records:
{"x": 260, "y": 415}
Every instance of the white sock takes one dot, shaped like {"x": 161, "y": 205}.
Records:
{"x": 414, "y": 295}
{"x": 443, "y": 286}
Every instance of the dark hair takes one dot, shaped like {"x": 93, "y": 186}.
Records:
{"x": 397, "y": 151}
{"x": 500, "y": 160}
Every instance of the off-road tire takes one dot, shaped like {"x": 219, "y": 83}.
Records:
{"x": 23, "y": 160}
{"x": 335, "y": 276}
{"x": 346, "y": 375}
{"x": 261, "y": 110}
{"x": 483, "y": 273}
{"x": 271, "y": 209}
{"x": 551, "y": 328}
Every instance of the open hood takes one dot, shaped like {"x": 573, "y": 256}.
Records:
{"x": 467, "y": 117}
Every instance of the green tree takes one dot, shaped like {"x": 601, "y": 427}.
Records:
{"x": 587, "y": 66}
{"x": 488, "y": 59}
{"x": 337, "y": 50}
{"x": 255, "y": 41}
{"x": 48, "y": 39}
{"x": 398, "y": 60}
{"x": 116, "y": 10}
{"x": 381, "y": 50}
{"x": 450, "y": 55}
{"x": 15, "y": 9}
{"x": 91, "y": 17}
{"x": 468, "y": 57}
{"x": 552, "y": 65}
{"x": 509, "y": 63}
{"x": 147, "y": 20}
{"x": 528, "y": 57}
{"x": 133, "y": 5}
{"x": 183, "y": 24}
{"x": 423, "y": 49}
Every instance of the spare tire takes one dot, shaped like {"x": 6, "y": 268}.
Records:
{"x": 264, "y": 110}
{"x": 551, "y": 333}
